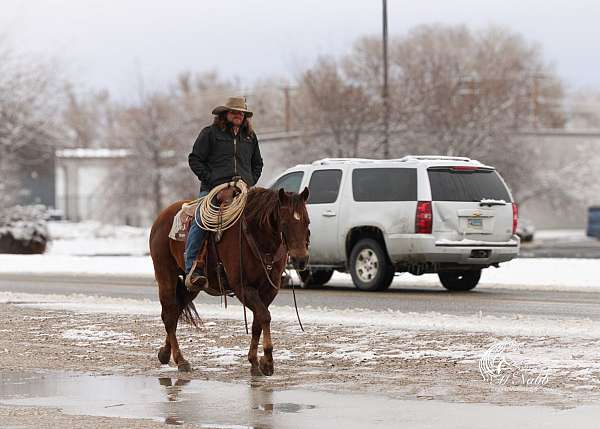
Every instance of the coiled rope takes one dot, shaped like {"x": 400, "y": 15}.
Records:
{"x": 212, "y": 216}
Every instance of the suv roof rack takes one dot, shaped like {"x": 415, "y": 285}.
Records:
{"x": 433, "y": 158}
{"x": 341, "y": 160}
{"x": 325, "y": 161}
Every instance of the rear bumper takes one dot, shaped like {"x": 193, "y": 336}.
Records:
{"x": 417, "y": 248}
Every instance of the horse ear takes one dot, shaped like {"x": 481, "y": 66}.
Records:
{"x": 304, "y": 194}
{"x": 282, "y": 196}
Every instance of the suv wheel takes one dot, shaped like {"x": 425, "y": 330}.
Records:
{"x": 460, "y": 280}
{"x": 369, "y": 266}
{"x": 314, "y": 277}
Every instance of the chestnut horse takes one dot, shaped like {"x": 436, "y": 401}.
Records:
{"x": 273, "y": 223}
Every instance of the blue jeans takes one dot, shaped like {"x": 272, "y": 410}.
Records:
{"x": 194, "y": 241}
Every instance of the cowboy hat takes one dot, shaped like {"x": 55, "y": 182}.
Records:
{"x": 234, "y": 104}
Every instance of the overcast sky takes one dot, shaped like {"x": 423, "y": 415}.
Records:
{"x": 107, "y": 43}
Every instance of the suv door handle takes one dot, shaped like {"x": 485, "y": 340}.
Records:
{"x": 329, "y": 213}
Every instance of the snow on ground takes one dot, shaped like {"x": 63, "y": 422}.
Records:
{"x": 76, "y": 266}
{"x": 73, "y": 241}
{"x": 514, "y": 325}
{"x": 561, "y": 235}
{"x": 539, "y": 274}
{"x": 94, "y": 238}
{"x": 92, "y": 333}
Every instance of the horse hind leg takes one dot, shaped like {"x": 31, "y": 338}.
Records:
{"x": 166, "y": 301}
{"x": 164, "y": 353}
{"x": 173, "y": 305}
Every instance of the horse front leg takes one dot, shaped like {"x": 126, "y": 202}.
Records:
{"x": 253, "y": 352}
{"x": 266, "y": 361}
{"x": 260, "y": 323}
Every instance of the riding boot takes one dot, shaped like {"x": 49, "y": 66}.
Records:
{"x": 195, "y": 280}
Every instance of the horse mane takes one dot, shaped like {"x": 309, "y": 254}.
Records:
{"x": 262, "y": 206}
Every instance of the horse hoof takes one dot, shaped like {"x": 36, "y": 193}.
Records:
{"x": 184, "y": 366}
{"x": 266, "y": 367}
{"x": 255, "y": 371}
{"x": 164, "y": 355}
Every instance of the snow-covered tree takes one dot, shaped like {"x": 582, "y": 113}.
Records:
{"x": 23, "y": 229}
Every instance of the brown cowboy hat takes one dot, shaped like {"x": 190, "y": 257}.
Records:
{"x": 234, "y": 104}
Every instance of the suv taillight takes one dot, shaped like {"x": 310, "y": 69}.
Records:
{"x": 424, "y": 218}
{"x": 515, "y": 217}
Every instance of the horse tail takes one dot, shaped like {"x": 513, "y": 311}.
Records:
{"x": 189, "y": 313}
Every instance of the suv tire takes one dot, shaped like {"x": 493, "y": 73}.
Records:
{"x": 314, "y": 277}
{"x": 369, "y": 266}
{"x": 460, "y": 280}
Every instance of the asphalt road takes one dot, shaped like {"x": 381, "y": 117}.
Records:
{"x": 486, "y": 299}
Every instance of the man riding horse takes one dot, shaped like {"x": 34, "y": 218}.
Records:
{"x": 224, "y": 151}
{"x": 256, "y": 232}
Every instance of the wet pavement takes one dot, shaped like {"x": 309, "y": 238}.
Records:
{"x": 253, "y": 404}
{"x": 492, "y": 300}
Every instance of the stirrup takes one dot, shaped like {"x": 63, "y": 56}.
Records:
{"x": 195, "y": 283}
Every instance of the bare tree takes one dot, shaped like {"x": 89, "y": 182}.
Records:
{"x": 339, "y": 111}
{"x": 454, "y": 91}
{"x": 89, "y": 119}
{"x": 158, "y": 134}
{"x": 267, "y": 98}
{"x": 149, "y": 133}
{"x": 30, "y": 103}
{"x": 584, "y": 109}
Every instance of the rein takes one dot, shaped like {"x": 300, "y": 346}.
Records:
{"x": 267, "y": 266}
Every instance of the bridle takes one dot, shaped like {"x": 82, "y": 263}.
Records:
{"x": 267, "y": 261}
{"x": 282, "y": 226}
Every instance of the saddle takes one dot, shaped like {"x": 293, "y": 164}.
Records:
{"x": 208, "y": 255}
{"x": 184, "y": 217}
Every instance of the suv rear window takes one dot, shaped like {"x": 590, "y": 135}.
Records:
{"x": 324, "y": 186}
{"x": 450, "y": 184}
{"x": 384, "y": 184}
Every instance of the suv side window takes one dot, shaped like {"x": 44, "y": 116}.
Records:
{"x": 324, "y": 186}
{"x": 384, "y": 184}
{"x": 290, "y": 182}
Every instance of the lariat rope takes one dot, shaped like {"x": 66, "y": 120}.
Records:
{"x": 215, "y": 218}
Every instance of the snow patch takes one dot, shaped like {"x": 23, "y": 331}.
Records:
{"x": 95, "y": 238}
{"x": 90, "y": 334}
{"x": 390, "y": 320}
{"x": 530, "y": 274}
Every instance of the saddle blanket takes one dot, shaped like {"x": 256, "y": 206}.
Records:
{"x": 183, "y": 220}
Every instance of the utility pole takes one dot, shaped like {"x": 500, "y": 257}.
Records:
{"x": 286, "y": 95}
{"x": 385, "y": 92}
{"x": 535, "y": 107}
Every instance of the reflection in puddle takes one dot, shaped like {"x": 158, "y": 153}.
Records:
{"x": 173, "y": 401}
{"x": 284, "y": 407}
{"x": 254, "y": 405}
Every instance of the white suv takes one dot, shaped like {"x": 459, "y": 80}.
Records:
{"x": 419, "y": 214}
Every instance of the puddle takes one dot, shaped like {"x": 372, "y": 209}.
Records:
{"x": 252, "y": 404}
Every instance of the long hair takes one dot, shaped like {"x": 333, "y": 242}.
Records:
{"x": 221, "y": 122}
